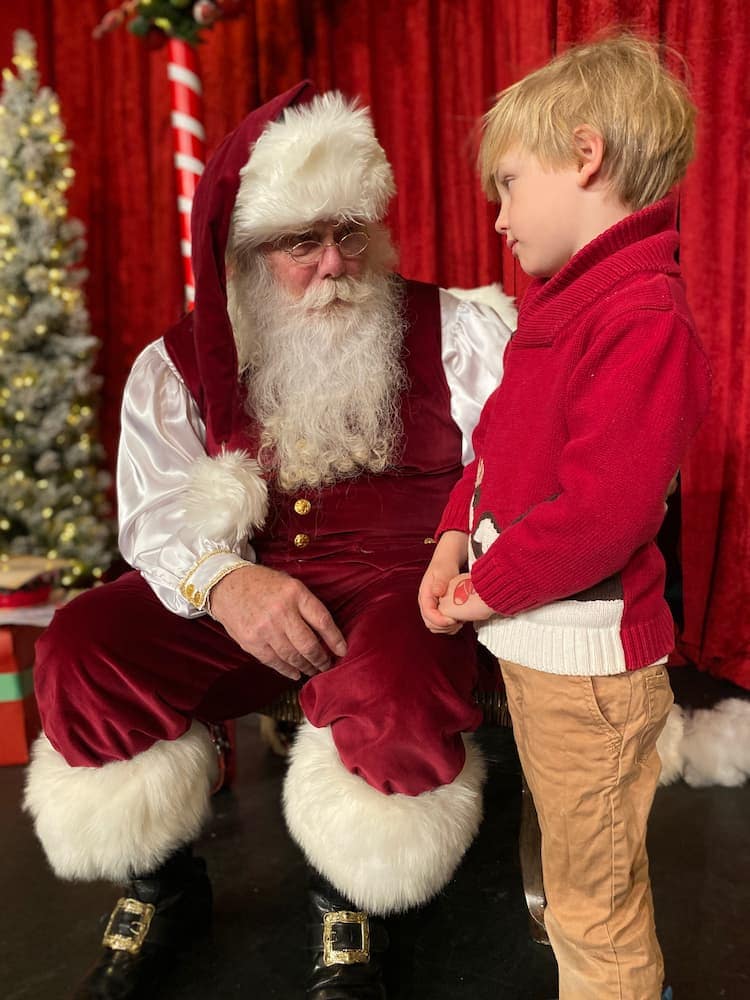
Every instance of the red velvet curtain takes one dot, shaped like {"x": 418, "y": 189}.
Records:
{"x": 428, "y": 69}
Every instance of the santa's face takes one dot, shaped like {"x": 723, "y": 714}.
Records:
{"x": 323, "y": 367}
{"x": 295, "y": 277}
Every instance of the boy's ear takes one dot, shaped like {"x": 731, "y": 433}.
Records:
{"x": 589, "y": 150}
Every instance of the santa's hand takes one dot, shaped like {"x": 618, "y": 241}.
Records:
{"x": 463, "y": 603}
{"x": 277, "y": 620}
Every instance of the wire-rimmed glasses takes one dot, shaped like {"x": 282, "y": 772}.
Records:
{"x": 351, "y": 244}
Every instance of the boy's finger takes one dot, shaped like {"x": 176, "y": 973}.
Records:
{"x": 438, "y": 618}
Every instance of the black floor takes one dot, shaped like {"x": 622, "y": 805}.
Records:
{"x": 471, "y": 943}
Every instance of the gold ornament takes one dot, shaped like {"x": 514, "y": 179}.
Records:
{"x": 24, "y": 62}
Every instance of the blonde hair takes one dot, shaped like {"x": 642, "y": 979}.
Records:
{"x": 616, "y": 86}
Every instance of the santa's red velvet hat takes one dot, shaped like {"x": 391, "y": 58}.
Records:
{"x": 296, "y": 160}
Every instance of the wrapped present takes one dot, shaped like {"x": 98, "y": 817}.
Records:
{"x": 19, "y": 719}
{"x": 27, "y": 580}
{"x": 27, "y": 603}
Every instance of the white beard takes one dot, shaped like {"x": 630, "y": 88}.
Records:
{"x": 323, "y": 373}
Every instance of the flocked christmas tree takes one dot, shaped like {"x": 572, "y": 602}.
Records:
{"x": 53, "y": 492}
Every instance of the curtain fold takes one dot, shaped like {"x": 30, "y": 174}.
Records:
{"x": 428, "y": 69}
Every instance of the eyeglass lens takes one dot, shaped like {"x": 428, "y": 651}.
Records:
{"x": 351, "y": 245}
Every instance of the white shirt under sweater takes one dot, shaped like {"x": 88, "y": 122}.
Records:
{"x": 162, "y": 435}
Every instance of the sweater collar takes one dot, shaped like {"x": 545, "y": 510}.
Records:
{"x": 645, "y": 241}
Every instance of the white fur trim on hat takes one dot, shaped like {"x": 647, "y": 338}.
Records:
{"x": 225, "y": 497}
{"x": 125, "y": 817}
{"x": 386, "y": 853}
{"x": 319, "y": 161}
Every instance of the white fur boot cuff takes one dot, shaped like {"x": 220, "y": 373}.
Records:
{"x": 125, "y": 817}
{"x": 386, "y": 853}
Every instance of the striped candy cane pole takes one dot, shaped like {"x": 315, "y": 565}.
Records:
{"x": 189, "y": 139}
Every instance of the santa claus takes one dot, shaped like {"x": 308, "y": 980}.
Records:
{"x": 286, "y": 453}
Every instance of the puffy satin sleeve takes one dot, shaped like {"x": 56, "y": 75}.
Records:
{"x": 162, "y": 435}
{"x": 474, "y": 341}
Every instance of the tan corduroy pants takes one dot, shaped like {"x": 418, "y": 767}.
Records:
{"x": 588, "y": 748}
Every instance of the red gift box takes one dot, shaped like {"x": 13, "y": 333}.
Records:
{"x": 19, "y": 719}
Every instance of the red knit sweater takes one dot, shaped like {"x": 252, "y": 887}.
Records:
{"x": 605, "y": 383}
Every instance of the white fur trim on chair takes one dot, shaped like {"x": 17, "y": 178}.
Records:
{"x": 716, "y": 745}
{"x": 386, "y": 853}
{"x": 708, "y": 746}
{"x": 319, "y": 161}
{"x": 225, "y": 497}
{"x": 125, "y": 817}
{"x": 669, "y": 746}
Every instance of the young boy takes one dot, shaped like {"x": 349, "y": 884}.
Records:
{"x": 605, "y": 384}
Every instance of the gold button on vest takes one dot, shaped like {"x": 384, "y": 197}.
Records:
{"x": 302, "y": 506}
{"x": 301, "y": 540}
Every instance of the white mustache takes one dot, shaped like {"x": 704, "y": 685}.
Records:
{"x": 353, "y": 291}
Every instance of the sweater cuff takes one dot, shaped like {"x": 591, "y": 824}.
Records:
{"x": 455, "y": 518}
{"x": 504, "y": 593}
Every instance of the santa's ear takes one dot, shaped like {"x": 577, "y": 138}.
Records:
{"x": 589, "y": 150}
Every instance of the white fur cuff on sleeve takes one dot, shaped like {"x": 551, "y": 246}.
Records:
{"x": 226, "y": 497}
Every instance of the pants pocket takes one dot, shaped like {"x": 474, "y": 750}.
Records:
{"x": 610, "y": 705}
{"x": 658, "y": 701}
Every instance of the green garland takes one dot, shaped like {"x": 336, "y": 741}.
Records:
{"x": 157, "y": 20}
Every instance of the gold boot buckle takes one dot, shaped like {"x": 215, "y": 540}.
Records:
{"x": 135, "y": 917}
{"x": 345, "y": 956}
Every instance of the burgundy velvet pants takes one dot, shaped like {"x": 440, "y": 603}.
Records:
{"x": 116, "y": 671}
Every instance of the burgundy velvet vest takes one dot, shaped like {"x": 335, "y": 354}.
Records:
{"x": 380, "y": 520}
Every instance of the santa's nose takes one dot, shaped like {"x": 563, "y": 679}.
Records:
{"x": 331, "y": 263}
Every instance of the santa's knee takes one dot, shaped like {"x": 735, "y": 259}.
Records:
{"x": 74, "y": 647}
{"x": 93, "y": 685}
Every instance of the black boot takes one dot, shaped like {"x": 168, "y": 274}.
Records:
{"x": 159, "y": 914}
{"x": 345, "y": 943}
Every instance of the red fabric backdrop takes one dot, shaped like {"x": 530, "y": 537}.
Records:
{"x": 428, "y": 69}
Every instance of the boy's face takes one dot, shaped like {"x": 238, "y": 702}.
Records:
{"x": 540, "y": 212}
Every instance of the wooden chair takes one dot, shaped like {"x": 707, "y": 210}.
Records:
{"x": 286, "y": 709}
